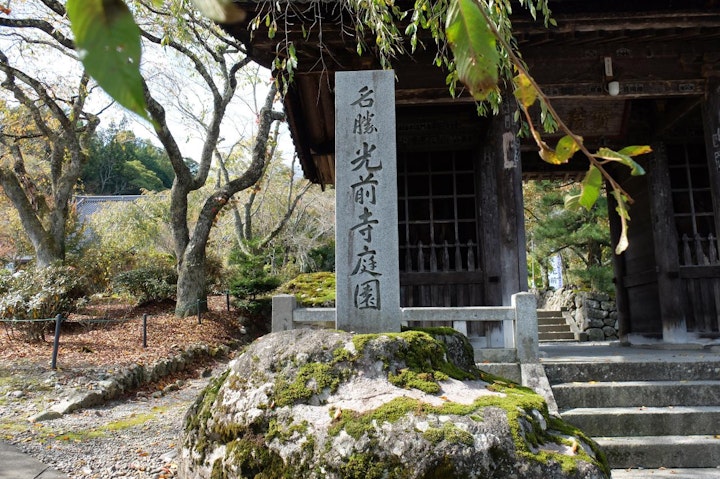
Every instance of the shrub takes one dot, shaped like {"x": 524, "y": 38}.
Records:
{"x": 251, "y": 287}
{"x": 321, "y": 258}
{"x": 215, "y": 275}
{"x": 40, "y": 294}
{"x": 155, "y": 283}
{"x": 251, "y": 278}
{"x": 594, "y": 278}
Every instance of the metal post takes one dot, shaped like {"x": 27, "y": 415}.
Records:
{"x": 56, "y": 341}
{"x": 145, "y": 330}
{"x": 198, "y": 311}
{"x": 227, "y": 300}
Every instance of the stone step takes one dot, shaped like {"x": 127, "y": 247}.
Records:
{"x": 507, "y": 370}
{"x": 551, "y": 336}
{"x": 661, "y": 451}
{"x": 645, "y": 421}
{"x": 495, "y": 355}
{"x": 554, "y": 320}
{"x": 553, "y": 328}
{"x": 574, "y": 340}
{"x": 667, "y": 473}
{"x": 637, "y": 393}
{"x": 565, "y": 372}
{"x": 549, "y": 313}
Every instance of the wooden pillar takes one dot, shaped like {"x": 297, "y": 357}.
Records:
{"x": 711, "y": 122}
{"x": 502, "y": 220}
{"x": 667, "y": 259}
{"x": 508, "y": 173}
{"x": 489, "y": 228}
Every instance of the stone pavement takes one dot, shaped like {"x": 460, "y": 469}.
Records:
{"x": 15, "y": 464}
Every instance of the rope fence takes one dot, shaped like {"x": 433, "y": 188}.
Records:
{"x": 59, "y": 319}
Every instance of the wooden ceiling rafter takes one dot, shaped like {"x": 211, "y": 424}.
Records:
{"x": 657, "y": 54}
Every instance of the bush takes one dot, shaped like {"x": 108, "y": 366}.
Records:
{"x": 312, "y": 289}
{"x": 215, "y": 275}
{"x": 251, "y": 278}
{"x": 594, "y": 278}
{"x": 40, "y": 294}
{"x": 157, "y": 283}
{"x": 321, "y": 258}
{"x": 251, "y": 287}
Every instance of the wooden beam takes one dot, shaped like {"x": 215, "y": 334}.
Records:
{"x": 677, "y": 113}
{"x": 637, "y": 21}
{"x": 629, "y": 89}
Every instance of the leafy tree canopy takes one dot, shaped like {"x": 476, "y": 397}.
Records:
{"x": 122, "y": 164}
{"x": 581, "y": 236}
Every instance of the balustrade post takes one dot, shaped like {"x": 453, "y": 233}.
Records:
{"x": 283, "y": 306}
{"x": 526, "y": 327}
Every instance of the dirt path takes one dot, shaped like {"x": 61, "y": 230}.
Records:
{"x": 135, "y": 437}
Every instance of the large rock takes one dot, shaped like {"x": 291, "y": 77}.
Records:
{"x": 327, "y": 404}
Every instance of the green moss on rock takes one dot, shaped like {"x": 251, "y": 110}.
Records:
{"x": 312, "y": 379}
{"x": 425, "y": 358}
{"x": 312, "y": 289}
{"x": 285, "y": 437}
{"x": 449, "y": 432}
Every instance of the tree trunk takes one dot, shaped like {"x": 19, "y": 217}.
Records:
{"x": 191, "y": 294}
{"x": 47, "y": 249}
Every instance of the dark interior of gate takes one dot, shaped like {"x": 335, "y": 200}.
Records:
{"x": 619, "y": 73}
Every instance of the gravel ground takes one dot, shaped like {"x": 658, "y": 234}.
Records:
{"x": 136, "y": 437}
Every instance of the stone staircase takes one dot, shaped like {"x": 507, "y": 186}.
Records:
{"x": 552, "y": 327}
{"x": 654, "y": 415}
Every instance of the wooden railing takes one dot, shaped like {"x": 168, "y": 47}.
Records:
{"x": 440, "y": 275}
{"x": 700, "y": 272}
{"x": 519, "y": 324}
{"x": 699, "y": 251}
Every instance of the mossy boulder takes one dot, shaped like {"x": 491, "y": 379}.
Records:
{"x": 328, "y": 404}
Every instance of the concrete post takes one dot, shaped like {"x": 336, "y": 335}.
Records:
{"x": 526, "y": 327}
{"x": 460, "y": 327}
{"x": 283, "y": 306}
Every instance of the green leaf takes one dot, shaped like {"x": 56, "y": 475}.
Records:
{"x": 620, "y": 157}
{"x": 623, "y": 211}
{"x": 108, "y": 42}
{"x": 548, "y": 154}
{"x": 222, "y": 11}
{"x": 473, "y": 46}
{"x": 572, "y": 202}
{"x": 525, "y": 92}
{"x": 591, "y": 185}
{"x": 635, "y": 150}
{"x": 566, "y": 148}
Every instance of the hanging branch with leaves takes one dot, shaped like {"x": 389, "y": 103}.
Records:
{"x": 474, "y": 41}
{"x": 474, "y": 44}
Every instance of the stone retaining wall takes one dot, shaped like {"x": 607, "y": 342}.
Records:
{"x": 589, "y": 312}
{"x": 97, "y": 390}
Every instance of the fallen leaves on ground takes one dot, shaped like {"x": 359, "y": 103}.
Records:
{"x": 119, "y": 343}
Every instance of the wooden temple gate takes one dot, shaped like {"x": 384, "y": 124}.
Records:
{"x": 461, "y": 232}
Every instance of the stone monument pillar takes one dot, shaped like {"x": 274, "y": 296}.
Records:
{"x": 366, "y": 212}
